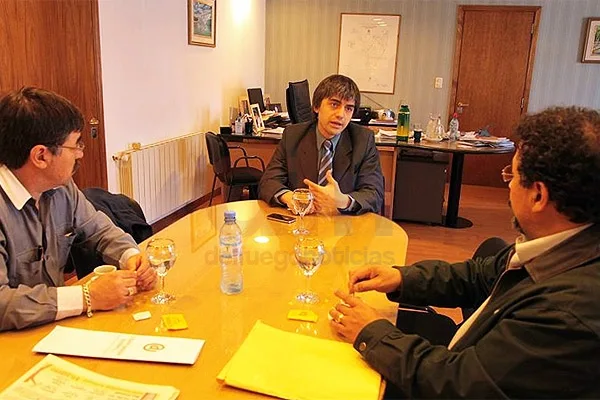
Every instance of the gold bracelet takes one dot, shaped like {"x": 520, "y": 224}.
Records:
{"x": 88, "y": 299}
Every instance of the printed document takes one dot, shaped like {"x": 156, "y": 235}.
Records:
{"x": 120, "y": 346}
{"x": 56, "y": 379}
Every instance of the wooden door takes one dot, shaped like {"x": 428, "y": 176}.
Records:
{"x": 55, "y": 45}
{"x": 493, "y": 63}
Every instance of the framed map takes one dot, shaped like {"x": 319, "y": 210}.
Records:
{"x": 368, "y": 50}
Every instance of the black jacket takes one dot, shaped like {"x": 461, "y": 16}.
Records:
{"x": 538, "y": 337}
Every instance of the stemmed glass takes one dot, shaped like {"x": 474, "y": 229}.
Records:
{"x": 161, "y": 256}
{"x": 302, "y": 200}
{"x": 309, "y": 253}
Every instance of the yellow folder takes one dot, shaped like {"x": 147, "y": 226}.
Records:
{"x": 294, "y": 366}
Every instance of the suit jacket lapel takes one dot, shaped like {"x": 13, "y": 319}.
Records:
{"x": 309, "y": 159}
{"x": 343, "y": 156}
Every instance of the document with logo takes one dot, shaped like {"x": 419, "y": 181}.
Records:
{"x": 120, "y": 346}
{"x": 56, "y": 379}
{"x": 293, "y": 366}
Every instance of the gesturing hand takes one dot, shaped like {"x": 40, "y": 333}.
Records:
{"x": 328, "y": 198}
{"x": 146, "y": 276}
{"x": 374, "y": 277}
{"x": 350, "y": 318}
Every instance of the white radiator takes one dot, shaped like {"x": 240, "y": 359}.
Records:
{"x": 164, "y": 176}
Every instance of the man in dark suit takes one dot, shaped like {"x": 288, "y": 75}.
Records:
{"x": 335, "y": 159}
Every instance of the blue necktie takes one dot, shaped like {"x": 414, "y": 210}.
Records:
{"x": 326, "y": 161}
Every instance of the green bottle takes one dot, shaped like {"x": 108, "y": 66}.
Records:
{"x": 403, "y": 123}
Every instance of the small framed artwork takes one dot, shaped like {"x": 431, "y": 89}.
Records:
{"x": 591, "y": 42}
{"x": 259, "y": 125}
{"x": 267, "y": 100}
{"x": 244, "y": 105}
{"x": 202, "y": 22}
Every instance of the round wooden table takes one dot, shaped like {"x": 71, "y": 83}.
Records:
{"x": 271, "y": 282}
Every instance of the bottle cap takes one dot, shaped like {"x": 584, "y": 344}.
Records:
{"x": 229, "y": 215}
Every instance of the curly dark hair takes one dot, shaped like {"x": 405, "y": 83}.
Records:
{"x": 336, "y": 85}
{"x": 31, "y": 116}
{"x": 560, "y": 147}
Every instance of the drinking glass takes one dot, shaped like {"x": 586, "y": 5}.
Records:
{"x": 161, "y": 256}
{"x": 309, "y": 253}
{"x": 302, "y": 199}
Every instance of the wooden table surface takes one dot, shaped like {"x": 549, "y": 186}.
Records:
{"x": 271, "y": 281}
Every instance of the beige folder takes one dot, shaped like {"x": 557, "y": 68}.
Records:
{"x": 294, "y": 366}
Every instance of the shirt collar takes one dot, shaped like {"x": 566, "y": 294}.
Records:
{"x": 320, "y": 139}
{"x": 14, "y": 189}
{"x": 527, "y": 250}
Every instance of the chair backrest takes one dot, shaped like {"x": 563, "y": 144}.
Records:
{"x": 218, "y": 155}
{"x": 298, "y": 102}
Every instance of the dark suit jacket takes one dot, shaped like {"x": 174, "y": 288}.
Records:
{"x": 356, "y": 165}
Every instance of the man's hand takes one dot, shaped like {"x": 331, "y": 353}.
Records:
{"x": 146, "y": 276}
{"x": 286, "y": 199}
{"x": 112, "y": 290}
{"x": 374, "y": 277}
{"x": 350, "y": 318}
{"x": 328, "y": 198}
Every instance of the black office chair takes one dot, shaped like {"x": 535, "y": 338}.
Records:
{"x": 299, "y": 107}
{"x": 218, "y": 155}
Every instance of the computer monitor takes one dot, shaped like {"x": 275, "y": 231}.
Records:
{"x": 255, "y": 96}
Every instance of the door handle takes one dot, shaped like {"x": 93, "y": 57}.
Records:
{"x": 94, "y": 127}
{"x": 460, "y": 104}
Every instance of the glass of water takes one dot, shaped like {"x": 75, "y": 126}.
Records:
{"x": 161, "y": 255}
{"x": 302, "y": 200}
{"x": 309, "y": 253}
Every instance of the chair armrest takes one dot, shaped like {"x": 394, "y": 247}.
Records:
{"x": 242, "y": 149}
{"x": 262, "y": 163}
{"x": 411, "y": 307}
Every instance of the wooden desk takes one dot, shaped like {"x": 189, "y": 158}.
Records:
{"x": 271, "y": 281}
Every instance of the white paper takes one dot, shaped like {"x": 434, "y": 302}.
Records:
{"x": 119, "y": 346}
{"x": 55, "y": 379}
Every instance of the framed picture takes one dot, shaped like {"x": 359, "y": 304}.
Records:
{"x": 244, "y": 105}
{"x": 591, "y": 42}
{"x": 267, "y": 100}
{"x": 259, "y": 125}
{"x": 368, "y": 50}
{"x": 202, "y": 22}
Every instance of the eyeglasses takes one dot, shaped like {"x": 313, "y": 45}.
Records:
{"x": 507, "y": 174}
{"x": 78, "y": 146}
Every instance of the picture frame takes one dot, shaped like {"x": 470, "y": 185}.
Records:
{"x": 259, "y": 124}
{"x": 591, "y": 43}
{"x": 243, "y": 105}
{"x": 368, "y": 50}
{"x": 202, "y": 22}
{"x": 267, "y": 101}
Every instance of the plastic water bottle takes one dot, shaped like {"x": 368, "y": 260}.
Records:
{"x": 403, "y": 123}
{"x": 454, "y": 134}
{"x": 230, "y": 255}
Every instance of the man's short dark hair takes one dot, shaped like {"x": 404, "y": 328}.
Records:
{"x": 561, "y": 147}
{"x": 336, "y": 85}
{"x": 32, "y": 116}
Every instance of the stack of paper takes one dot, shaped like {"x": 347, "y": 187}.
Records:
{"x": 57, "y": 379}
{"x": 485, "y": 141}
{"x": 293, "y": 366}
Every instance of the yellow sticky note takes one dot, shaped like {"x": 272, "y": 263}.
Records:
{"x": 303, "y": 315}
{"x": 174, "y": 322}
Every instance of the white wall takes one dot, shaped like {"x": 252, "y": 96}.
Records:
{"x": 156, "y": 86}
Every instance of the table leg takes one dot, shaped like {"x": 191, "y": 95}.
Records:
{"x": 452, "y": 220}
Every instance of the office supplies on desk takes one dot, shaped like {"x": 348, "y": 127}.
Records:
{"x": 56, "y": 378}
{"x": 295, "y": 366}
{"x": 119, "y": 346}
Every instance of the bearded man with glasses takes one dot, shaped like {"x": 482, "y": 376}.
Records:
{"x": 536, "y": 330}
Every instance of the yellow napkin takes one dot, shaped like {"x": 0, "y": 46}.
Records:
{"x": 293, "y": 366}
